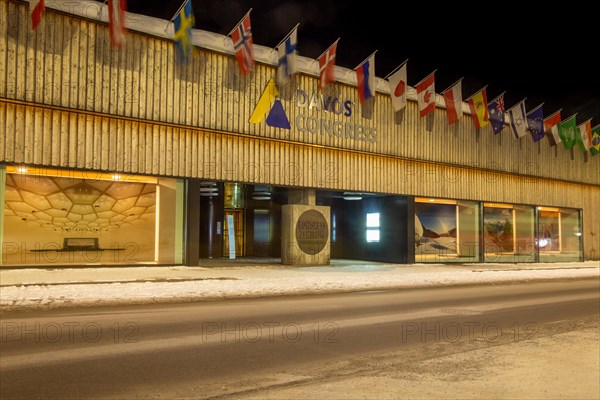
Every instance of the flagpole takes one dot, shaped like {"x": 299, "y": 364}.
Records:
{"x": 180, "y": 8}
{"x": 432, "y": 72}
{"x": 567, "y": 119}
{"x": 396, "y": 69}
{"x": 239, "y": 22}
{"x": 553, "y": 114}
{"x": 332, "y": 44}
{"x": 289, "y": 34}
{"x": 101, "y": 8}
{"x": 535, "y": 109}
{"x": 480, "y": 90}
{"x": 497, "y": 97}
{"x": 519, "y": 102}
{"x": 362, "y": 62}
{"x": 451, "y": 86}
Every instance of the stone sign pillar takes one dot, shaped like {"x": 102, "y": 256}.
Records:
{"x": 305, "y": 230}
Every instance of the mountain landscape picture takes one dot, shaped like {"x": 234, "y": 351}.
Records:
{"x": 498, "y": 230}
{"x": 435, "y": 228}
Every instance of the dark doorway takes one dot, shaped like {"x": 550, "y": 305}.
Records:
{"x": 368, "y": 226}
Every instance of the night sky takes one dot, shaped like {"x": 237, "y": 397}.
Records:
{"x": 544, "y": 56}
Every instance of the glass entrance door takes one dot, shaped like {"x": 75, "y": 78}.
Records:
{"x": 238, "y": 229}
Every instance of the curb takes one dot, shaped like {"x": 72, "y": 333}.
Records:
{"x": 69, "y": 304}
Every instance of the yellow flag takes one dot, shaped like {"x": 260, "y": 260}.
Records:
{"x": 479, "y": 110}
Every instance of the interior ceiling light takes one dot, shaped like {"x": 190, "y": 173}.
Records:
{"x": 352, "y": 196}
{"x": 209, "y": 189}
{"x": 261, "y": 195}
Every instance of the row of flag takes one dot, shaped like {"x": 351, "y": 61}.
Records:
{"x": 483, "y": 112}
{"x": 116, "y": 18}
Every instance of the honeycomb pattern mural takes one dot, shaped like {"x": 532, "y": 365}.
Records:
{"x": 72, "y": 205}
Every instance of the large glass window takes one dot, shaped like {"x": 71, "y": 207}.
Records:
{"x": 559, "y": 234}
{"x": 84, "y": 217}
{"x": 446, "y": 230}
{"x": 508, "y": 232}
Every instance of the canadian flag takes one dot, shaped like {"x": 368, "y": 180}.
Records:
{"x": 116, "y": 21}
{"x": 426, "y": 95}
{"x": 36, "y": 8}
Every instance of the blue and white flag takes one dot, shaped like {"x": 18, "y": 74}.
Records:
{"x": 496, "y": 112}
{"x": 517, "y": 119}
{"x": 286, "y": 54}
{"x": 535, "y": 121}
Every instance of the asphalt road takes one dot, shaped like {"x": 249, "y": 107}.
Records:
{"x": 214, "y": 349}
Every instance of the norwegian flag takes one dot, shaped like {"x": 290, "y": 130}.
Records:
{"x": 242, "y": 44}
{"x": 36, "y": 8}
{"x": 326, "y": 65}
{"x": 116, "y": 21}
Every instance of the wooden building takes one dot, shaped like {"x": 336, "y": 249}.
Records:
{"x": 127, "y": 156}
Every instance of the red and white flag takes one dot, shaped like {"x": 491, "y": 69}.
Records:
{"x": 116, "y": 21}
{"x": 36, "y": 8}
{"x": 426, "y": 95}
{"x": 551, "y": 128}
{"x": 398, "y": 88}
{"x": 453, "y": 100}
{"x": 241, "y": 36}
{"x": 326, "y": 66}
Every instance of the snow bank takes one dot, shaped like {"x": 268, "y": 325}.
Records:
{"x": 35, "y": 289}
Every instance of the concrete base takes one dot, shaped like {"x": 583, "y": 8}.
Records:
{"x": 305, "y": 235}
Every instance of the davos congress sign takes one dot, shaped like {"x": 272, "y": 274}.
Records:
{"x": 316, "y": 114}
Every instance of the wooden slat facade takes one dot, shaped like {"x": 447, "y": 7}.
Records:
{"x": 68, "y": 100}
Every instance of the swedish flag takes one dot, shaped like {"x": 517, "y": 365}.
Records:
{"x": 184, "y": 22}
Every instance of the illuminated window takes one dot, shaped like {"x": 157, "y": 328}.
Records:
{"x": 372, "y": 233}
{"x": 373, "y": 220}
{"x": 61, "y": 216}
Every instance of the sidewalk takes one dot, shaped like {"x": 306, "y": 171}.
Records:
{"x": 22, "y": 289}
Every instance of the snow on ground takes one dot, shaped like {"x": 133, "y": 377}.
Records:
{"x": 42, "y": 289}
